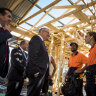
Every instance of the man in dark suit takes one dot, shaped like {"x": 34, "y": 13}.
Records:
{"x": 16, "y": 72}
{"x": 37, "y": 62}
{"x": 5, "y": 19}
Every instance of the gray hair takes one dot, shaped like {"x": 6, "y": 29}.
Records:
{"x": 42, "y": 29}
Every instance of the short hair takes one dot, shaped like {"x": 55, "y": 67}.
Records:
{"x": 2, "y": 11}
{"x": 73, "y": 43}
{"x": 42, "y": 29}
{"x": 22, "y": 42}
{"x": 92, "y": 34}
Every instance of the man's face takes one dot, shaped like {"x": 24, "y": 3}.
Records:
{"x": 46, "y": 34}
{"x": 47, "y": 48}
{"x": 74, "y": 48}
{"x": 6, "y": 19}
{"x": 25, "y": 46}
{"x": 87, "y": 38}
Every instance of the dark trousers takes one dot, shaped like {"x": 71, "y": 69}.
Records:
{"x": 46, "y": 82}
{"x": 80, "y": 88}
{"x": 90, "y": 86}
{"x": 35, "y": 85}
{"x": 14, "y": 88}
{"x": 90, "y": 89}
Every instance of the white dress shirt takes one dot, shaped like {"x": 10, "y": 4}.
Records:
{"x": 41, "y": 37}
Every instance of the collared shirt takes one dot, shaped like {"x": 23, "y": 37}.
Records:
{"x": 21, "y": 49}
{"x": 92, "y": 56}
{"x": 41, "y": 37}
{"x": 75, "y": 53}
{"x": 77, "y": 61}
{"x": 0, "y": 25}
{"x": 24, "y": 53}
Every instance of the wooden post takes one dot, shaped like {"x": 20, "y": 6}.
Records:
{"x": 51, "y": 45}
{"x": 61, "y": 62}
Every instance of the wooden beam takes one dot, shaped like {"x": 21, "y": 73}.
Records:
{"x": 82, "y": 17}
{"x": 70, "y": 25}
{"x": 94, "y": 8}
{"x": 68, "y": 6}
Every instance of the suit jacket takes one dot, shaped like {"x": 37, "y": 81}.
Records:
{"x": 18, "y": 62}
{"x": 4, "y": 52}
{"x": 37, "y": 57}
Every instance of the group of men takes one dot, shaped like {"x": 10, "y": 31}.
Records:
{"x": 76, "y": 61}
{"x": 18, "y": 56}
{"x": 35, "y": 64}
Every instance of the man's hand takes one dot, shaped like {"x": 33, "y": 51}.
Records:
{"x": 36, "y": 75}
{"x": 66, "y": 77}
{"x": 78, "y": 72}
{"x": 7, "y": 27}
{"x": 49, "y": 77}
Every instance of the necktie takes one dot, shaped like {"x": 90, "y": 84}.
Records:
{"x": 2, "y": 29}
{"x": 25, "y": 55}
{"x": 6, "y": 53}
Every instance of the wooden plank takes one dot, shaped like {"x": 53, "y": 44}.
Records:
{"x": 67, "y": 6}
{"x": 82, "y": 17}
